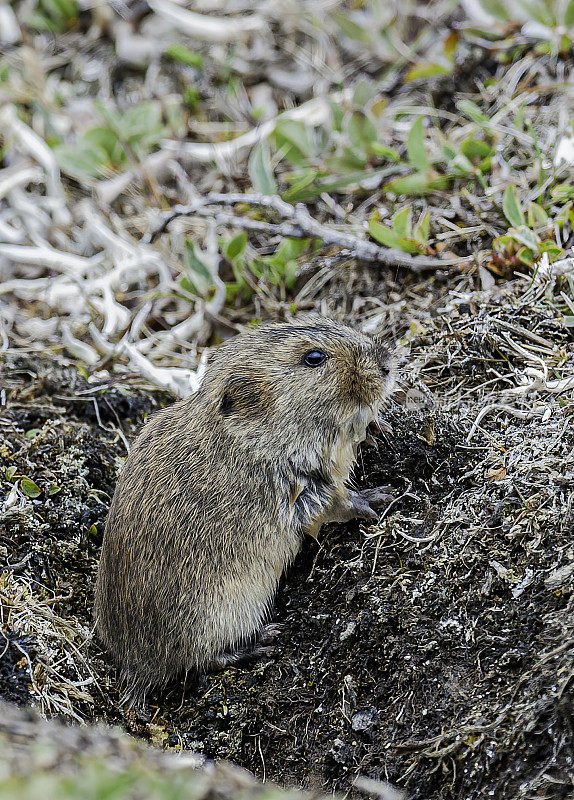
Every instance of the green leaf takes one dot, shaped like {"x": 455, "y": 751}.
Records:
{"x": 525, "y": 236}
{"x": 409, "y": 245}
{"x": 540, "y": 12}
{"x": 421, "y": 230}
{"x": 462, "y": 166}
{"x": 36, "y": 21}
{"x": 79, "y": 162}
{"x": 416, "y": 146}
{"x": 511, "y": 208}
{"x": 526, "y": 256}
{"x": 419, "y": 183}
{"x": 383, "y": 151}
{"x": 562, "y": 193}
{"x": 236, "y": 246}
{"x": 9, "y": 473}
{"x": 362, "y": 132}
{"x": 350, "y": 160}
{"x": 496, "y": 8}
{"x": 550, "y": 247}
{"x": 501, "y": 242}
{"x": 141, "y": 126}
{"x": 383, "y": 235}
{"x": 363, "y": 93}
{"x": 337, "y": 116}
{"x": 290, "y": 274}
{"x": 53, "y": 10}
{"x": 54, "y": 489}
{"x": 183, "y": 55}
{"x": 351, "y": 29}
{"x": 191, "y": 98}
{"x": 299, "y": 188}
{"x": 390, "y": 238}
{"x": 53, "y": 16}
{"x": 472, "y": 111}
{"x": 569, "y": 14}
{"x": 315, "y": 187}
{"x": 260, "y": 172}
{"x": 537, "y": 216}
{"x": 476, "y": 149}
{"x": 429, "y": 70}
{"x": 104, "y": 140}
{"x": 32, "y": 433}
{"x": 401, "y": 222}
{"x": 29, "y": 488}
{"x": 450, "y": 44}
{"x": 294, "y": 135}
{"x": 197, "y": 270}
{"x": 282, "y": 267}
{"x": 288, "y": 250}
{"x": 68, "y": 9}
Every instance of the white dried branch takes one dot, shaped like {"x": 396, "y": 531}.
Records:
{"x": 181, "y": 382}
{"x": 209, "y": 28}
{"x": 301, "y": 225}
{"x": 10, "y": 32}
{"x": 47, "y": 256}
{"x": 16, "y": 177}
{"x": 313, "y": 112}
{"x": 30, "y": 143}
{"x": 9, "y": 234}
{"x": 78, "y": 349}
{"x": 116, "y": 317}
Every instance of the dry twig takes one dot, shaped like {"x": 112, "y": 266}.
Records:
{"x": 301, "y": 225}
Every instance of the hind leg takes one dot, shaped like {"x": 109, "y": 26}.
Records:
{"x": 258, "y": 648}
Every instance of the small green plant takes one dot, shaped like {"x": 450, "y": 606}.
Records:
{"x": 278, "y": 269}
{"x": 198, "y": 278}
{"x": 529, "y": 237}
{"x": 425, "y": 177}
{"x": 260, "y": 171}
{"x": 443, "y": 63}
{"x": 112, "y": 146}
{"x": 282, "y": 267}
{"x": 53, "y": 16}
{"x": 402, "y": 235}
{"x": 548, "y": 25}
{"x": 351, "y": 153}
{"x": 192, "y": 98}
{"x": 183, "y": 55}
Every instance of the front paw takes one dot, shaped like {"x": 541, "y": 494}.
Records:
{"x": 378, "y": 497}
{"x": 367, "y": 500}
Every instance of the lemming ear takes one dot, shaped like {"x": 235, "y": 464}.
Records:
{"x": 250, "y": 395}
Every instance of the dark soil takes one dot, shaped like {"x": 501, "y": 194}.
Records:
{"x": 435, "y": 650}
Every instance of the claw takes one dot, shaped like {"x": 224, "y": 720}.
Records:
{"x": 362, "y": 507}
{"x": 378, "y": 497}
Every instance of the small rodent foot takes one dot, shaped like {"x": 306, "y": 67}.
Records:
{"x": 260, "y": 648}
{"x": 269, "y": 633}
{"x": 378, "y": 497}
{"x": 367, "y": 500}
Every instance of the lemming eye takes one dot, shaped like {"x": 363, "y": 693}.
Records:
{"x": 314, "y": 358}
